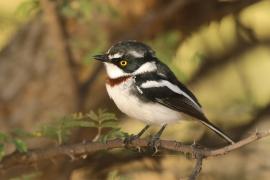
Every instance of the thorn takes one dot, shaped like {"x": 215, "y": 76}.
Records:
{"x": 72, "y": 158}
{"x": 156, "y": 150}
{"x": 70, "y": 154}
{"x": 84, "y": 156}
{"x": 257, "y": 133}
{"x": 194, "y": 142}
{"x": 138, "y": 148}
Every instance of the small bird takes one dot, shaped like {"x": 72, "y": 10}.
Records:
{"x": 146, "y": 89}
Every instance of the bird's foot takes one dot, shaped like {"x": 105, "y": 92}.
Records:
{"x": 129, "y": 139}
{"x": 196, "y": 150}
{"x": 154, "y": 144}
{"x": 196, "y": 145}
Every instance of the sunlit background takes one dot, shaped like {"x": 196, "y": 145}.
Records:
{"x": 220, "y": 49}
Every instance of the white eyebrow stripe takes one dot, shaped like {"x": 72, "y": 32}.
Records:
{"x": 116, "y": 55}
{"x": 136, "y": 54}
{"x": 109, "y": 50}
{"x": 172, "y": 87}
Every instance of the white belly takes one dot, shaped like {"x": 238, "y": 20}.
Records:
{"x": 151, "y": 113}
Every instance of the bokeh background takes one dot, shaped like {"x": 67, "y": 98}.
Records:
{"x": 219, "y": 48}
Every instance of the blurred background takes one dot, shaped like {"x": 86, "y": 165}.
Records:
{"x": 219, "y": 48}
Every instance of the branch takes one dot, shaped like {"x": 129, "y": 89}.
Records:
{"x": 82, "y": 149}
{"x": 197, "y": 169}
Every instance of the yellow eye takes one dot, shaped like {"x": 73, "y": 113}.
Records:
{"x": 123, "y": 63}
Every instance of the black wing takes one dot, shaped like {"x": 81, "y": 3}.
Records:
{"x": 164, "y": 71}
{"x": 184, "y": 102}
{"x": 172, "y": 100}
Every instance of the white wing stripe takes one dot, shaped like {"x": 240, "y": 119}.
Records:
{"x": 146, "y": 67}
{"x": 174, "y": 88}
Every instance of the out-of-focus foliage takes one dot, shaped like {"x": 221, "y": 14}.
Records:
{"x": 28, "y": 176}
{"x": 8, "y": 22}
{"x": 61, "y": 129}
{"x": 28, "y": 8}
{"x": 247, "y": 73}
{"x": 104, "y": 120}
{"x": 14, "y": 139}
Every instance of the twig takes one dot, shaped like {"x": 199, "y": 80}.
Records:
{"x": 197, "y": 169}
{"x": 78, "y": 150}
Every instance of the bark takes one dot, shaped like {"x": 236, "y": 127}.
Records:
{"x": 35, "y": 85}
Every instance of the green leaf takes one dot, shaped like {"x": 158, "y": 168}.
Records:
{"x": 113, "y": 175}
{"x": 21, "y": 133}
{"x": 62, "y": 128}
{"x": 92, "y": 115}
{"x": 3, "y": 137}
{"x": 29, "y": 176}
{"x": 107, "y": 116}
{"x": 20, "y": 145}
{"x": 2, "y": 151}
{"x": 28, "y": 7}
{"x": 101, "y": 111}
{"x": 109, "y": 123}
{"x": 78, "y": 123}
{"x": 114, "y": 133}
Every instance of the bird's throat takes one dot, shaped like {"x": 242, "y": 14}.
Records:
{"x": 116, "y": 81}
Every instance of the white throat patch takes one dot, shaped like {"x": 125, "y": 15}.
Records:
{"x": 114, "y": 71}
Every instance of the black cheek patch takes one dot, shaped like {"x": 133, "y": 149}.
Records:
{"x": 131, "y": 67}
{"x": 133, "y": 64}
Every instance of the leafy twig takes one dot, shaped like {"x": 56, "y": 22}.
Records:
{"x": 81, "y": 149}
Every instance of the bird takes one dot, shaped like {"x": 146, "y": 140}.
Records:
{"x": 145, "y": 88}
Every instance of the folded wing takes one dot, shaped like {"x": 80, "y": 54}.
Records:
{"x": 158, "y": 89}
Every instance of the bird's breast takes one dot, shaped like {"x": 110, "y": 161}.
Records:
{"x": 132, "y": 105}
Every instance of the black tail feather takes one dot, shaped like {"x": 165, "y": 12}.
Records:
{"x": 217, "y": 130}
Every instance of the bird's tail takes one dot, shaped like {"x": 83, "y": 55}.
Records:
{"x": 217, "y": 130}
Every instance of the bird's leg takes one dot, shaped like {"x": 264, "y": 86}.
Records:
{"x": 128, "y": 140}
{"x": 153, "y": 143}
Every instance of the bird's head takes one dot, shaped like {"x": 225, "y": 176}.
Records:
{"x": 128, "y": 58}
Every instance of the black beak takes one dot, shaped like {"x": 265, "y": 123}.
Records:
{"x": 102, "y": 57}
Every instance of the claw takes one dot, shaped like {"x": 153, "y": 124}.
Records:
{"x": 154, "y": 144}
{"x": 129, "y": 139}
{"x": 196, "y": 150}
{"x": 194, "y": 143}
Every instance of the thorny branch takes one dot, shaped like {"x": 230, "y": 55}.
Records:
{"x": 198, "y": 167}
{"x": 84, "y": 149}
